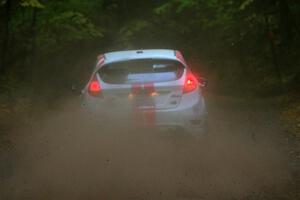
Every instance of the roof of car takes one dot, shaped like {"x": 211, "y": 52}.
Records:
{"x": 139, "y": 54}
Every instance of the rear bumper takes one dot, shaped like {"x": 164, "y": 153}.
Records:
{"x": 192, "y": 117}
{"x": 189, "y": 116}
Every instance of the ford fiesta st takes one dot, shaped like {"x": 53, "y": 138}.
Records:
{"x": 146, "y": 87}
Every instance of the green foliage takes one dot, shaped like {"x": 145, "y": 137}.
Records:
{"x": 180, "y": 4}
{"x": 130, "y": 32}
{"x": 245, "y": 4}
{"x": 185, "y": 4}
{"x": 163, "y": 8}
{"x": 31, "y": 3}
{"x": 70, "y": 26}
{"x": 234, "y": 35}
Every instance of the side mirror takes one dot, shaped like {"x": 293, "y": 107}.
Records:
{"x": 74, "y": 87}
{"x": 203, "y": 82}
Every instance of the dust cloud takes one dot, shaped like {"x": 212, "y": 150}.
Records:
{"x": 67, "y": 154}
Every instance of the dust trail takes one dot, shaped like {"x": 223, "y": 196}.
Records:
{"x": 69, "y": 155}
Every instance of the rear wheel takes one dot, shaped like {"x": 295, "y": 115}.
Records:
{"x": 200, "y": 132}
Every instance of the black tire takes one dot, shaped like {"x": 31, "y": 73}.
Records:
{"x": 200, "y": 133}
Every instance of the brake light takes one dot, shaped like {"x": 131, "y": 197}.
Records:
{"x": 94, "y": 87}
{"x": 190, "y": 84}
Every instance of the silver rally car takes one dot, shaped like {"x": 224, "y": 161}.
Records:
{"x": 146, "y": 87}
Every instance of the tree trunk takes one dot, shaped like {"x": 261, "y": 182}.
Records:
{"x": 6, "y": 36}
{"x": 273, "y": 50}
{"x": 286, "y": 28}
{"x": 123, "y": 12}
{"x": 33, "y": 32}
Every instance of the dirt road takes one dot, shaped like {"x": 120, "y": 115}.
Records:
{"x": 65, "y": 155}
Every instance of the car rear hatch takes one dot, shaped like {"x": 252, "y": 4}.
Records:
{"x": 142, "y": 83}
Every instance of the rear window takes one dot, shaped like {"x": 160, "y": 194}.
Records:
{"x": 141, "y": 71}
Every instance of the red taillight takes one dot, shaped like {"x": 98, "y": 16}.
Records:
{"x": 190, "y": 84}
{"x": 94, "y": 87}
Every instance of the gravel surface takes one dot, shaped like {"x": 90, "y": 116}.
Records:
{"x": 66, "y": 155}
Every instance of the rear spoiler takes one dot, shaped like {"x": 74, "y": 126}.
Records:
{"x": 100, "y": 59}
{"x": 180, "y": 57}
